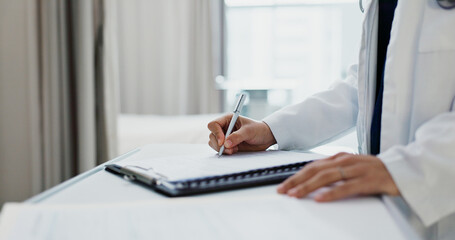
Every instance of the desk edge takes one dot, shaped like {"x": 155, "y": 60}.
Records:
{"x": 62, "y": 186}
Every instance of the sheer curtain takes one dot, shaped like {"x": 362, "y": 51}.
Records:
{"x": 57, "y": 94}
{"x": 168, "y": 58}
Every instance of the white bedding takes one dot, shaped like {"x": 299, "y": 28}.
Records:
{"x": 139, "y": 130}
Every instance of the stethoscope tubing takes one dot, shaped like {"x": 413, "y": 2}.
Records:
{"x": 451, "y": 4}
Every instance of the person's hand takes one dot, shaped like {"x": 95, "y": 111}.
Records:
{"x": 247, "y": 135}
{"x": 355, "y": 174}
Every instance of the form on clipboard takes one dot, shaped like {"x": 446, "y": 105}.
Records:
{"x": 183, "y": 175}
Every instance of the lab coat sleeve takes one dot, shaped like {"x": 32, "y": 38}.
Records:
{"x": 318, "y": 119}
{"x": 424, "y": 170}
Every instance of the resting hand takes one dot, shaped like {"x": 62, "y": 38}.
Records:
{"x": 359, "y": 175}
{"x": 247, "y": 135}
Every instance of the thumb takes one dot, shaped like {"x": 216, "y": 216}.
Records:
{"x": 236, "y": 138}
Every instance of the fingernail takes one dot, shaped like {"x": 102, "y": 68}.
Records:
{"x": 319, "y": 197}
{"x": 292, "y": 192}
{"x": 228, "y": 144}
{"x": 280, "y": 188}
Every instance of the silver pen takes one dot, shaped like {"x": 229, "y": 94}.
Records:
{"x": 237, "y": 110}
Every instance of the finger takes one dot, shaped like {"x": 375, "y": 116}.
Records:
{"x": 347, "y": 159}
{"x": 304, "y": 174}
{"x": 333, "y": 157}
{"x": 214, "y": 142}
{"x": 217, "y": 127}
{"x": 210, "y": 144}
{"x": 346, "y": 189}
{"x": 230, "y": 151}
{"x": 342, "y": 160}
{"x": 327, "y": 177}
{"x": 237, "y": 137}
{"x": 297, "y": 178}
{"x": 217, "y": 131}
{"x": 320, "y": 179}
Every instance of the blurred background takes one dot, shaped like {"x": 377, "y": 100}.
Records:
{"x": 84, "y": 81}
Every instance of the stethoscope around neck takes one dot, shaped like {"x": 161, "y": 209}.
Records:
{"x": 445, "y": 4}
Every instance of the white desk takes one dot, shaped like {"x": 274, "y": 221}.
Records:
{"x": 98, "y": 186}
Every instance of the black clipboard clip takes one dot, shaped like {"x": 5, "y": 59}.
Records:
{"x": 136, "y": 173}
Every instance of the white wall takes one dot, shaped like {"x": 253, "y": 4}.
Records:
{"x": 18, "y": 100}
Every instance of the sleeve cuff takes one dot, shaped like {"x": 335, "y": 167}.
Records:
{"x": 417, "y": 191}
{"x": 279, "y": 131}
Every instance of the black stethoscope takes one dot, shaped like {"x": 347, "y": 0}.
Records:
{"x": 446, "y": 4}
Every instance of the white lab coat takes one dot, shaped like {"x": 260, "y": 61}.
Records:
{"x": 418, "y": 116}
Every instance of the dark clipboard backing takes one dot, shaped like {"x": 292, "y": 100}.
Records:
{"x": 207, "y": 184}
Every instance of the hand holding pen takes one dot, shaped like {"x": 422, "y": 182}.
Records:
{"x": 237, "y": 110}
{"x": 247, "y": 134}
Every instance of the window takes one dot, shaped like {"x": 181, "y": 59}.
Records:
{"x": 282, "y": 51}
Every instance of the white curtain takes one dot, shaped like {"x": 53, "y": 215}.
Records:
{"x": 168, "y": 57}
{"x": 57, "y": 94}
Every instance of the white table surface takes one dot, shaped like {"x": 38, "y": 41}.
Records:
{"x": 99, "y": 186}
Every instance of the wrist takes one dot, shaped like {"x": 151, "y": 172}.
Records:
{"x": 268, "y": 135}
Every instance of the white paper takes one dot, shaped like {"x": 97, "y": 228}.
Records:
{"x": 260, "y": 217}
{"x": 207, "y": 164}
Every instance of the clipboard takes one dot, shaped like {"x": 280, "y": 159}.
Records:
{"x": 207, "y": 184}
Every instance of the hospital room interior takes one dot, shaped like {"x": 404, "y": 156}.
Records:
{"x": 85, "y": 82}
